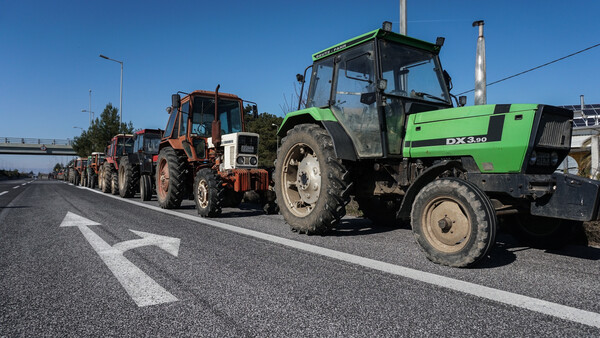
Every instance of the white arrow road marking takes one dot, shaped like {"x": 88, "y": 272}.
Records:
{"x": 4, "y": 192}
{"x": 169, "y": 244}
{"x": 141, "y": 288}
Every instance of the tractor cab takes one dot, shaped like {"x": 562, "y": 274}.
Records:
{"x": 205, "y": 131}
{"x": 371, "y": 83}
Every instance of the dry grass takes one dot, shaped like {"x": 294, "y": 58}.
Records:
{"x": 592, "y": 232}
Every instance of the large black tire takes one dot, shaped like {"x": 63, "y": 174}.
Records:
{"x": 93, "y": 180}
{"x": 312, "y": 185}
{"x": 145, "y": 187}
{"x": 129, "y": 176}
{"x": 380, "y": 211}
{"x": 76, "y": 179}
{"x": 208, "y": 193}
{"x": 114, "y": 182}
{"x": 541, "y": 232}
{"x": 171, "y": 172}
{"x": 454, "y": 222}
{"x": 106, "y": 183}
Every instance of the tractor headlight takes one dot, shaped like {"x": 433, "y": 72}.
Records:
{"x": 554, "y": 158}
{"x": 253, "y": 160}
{"x": 240, "y": 160}
{"x": 533, "y": 158}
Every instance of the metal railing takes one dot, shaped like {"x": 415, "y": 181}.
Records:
{"x": 40, "y": 141}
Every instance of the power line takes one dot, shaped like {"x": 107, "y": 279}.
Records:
{"x": 534, "y": 68}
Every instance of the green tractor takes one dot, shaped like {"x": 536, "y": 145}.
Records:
{"x": 379, "y": 125}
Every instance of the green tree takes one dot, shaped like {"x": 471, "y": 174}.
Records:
{"x": 100, "y": 132}
{"x": 265, "y": 125}
{"x": 58, "y": 167}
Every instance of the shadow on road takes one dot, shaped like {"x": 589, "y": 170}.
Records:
{"x": 360, "y": 227}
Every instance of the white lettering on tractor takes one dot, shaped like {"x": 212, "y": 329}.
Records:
{"x": 465, "y": 140}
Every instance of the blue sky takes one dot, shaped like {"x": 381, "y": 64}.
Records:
{"x": 49, "y": 54}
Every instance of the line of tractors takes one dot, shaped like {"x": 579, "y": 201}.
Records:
{"x": 379, "y": 126}
{"x": 204, "y": 153}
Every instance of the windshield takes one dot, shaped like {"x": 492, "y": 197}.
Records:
{"x": 128, "y": 146}
{"x": 412, "y": 72}
{"x": 203, "y": 114}
{"x": 151, "y": 143}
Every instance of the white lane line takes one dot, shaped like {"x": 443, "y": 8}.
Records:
{"x": 24, "y": 184}
{"x": 4, "y": 192}
{"x": 533, "y": 304}
{"x": 15, "y": 187}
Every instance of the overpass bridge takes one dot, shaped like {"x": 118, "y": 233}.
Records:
{"x": 36, "y": 146}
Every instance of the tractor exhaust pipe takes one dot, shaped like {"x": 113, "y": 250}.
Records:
{"x": 216, "y": 124}
{"x": 480, "y": 81}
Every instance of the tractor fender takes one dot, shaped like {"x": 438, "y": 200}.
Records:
{"x": 422, "y": 180}
{"x": 342, "y": 143}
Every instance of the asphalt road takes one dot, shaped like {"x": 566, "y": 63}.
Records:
{"x": 247, "y": 274}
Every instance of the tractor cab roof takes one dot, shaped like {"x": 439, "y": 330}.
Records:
{"x": 380, "y": 34}
{"x": 209, "y": 94}
{"x": 149, "y": 131}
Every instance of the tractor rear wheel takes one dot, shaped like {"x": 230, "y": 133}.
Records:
{"x": 312, "y": 185}
{"x": 128, "y": 178}
{"x": 208, "y": 193}
{"x": 93, "y": 180}
{"x": 454, "y": 222}
{"x": 171, "y": 171}
{"x": 145, "y": 187}
{"x": 542, "y": 232}
{"x": 77, "y": 178}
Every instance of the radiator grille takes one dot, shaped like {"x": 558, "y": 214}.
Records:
{"x": 554, "y": 131}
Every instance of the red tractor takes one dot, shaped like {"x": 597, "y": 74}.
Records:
{"x": 94, "y": 164}
{"x": 80, "y": 171}
{"x": 206, "y": 151}
{"x": 138, "y": 167}
{"x": 120, "y": 145}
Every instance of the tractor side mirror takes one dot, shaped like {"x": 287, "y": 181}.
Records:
{"x": 368, "y": 98}
{"x": 462, "y": 101}
{"x": 216, "y": 132}
{"x": 175, "y": 101}
{"x": 254, "y": 111}
{"x": 300, "y": 78}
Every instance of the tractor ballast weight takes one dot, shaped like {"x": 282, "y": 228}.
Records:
{"x": 206, "y": 152}
{"x": 379, "y": 124}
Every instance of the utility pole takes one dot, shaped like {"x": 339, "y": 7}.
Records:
{"x": 403, "y": 17}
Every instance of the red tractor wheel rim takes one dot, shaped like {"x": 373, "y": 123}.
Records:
{"x": 163, "y": 178}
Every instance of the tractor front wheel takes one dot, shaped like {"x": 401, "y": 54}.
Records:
{"x": 208, "y": 193}
{"x": 106, "y": 182}
{"x": 128, "y": 178}
{"x": 145, "y": 187}
{"x": 312, "y": 185}
{"x": 171, "y": 172}
{"x": 454, "y": 222}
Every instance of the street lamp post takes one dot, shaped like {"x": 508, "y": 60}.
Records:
{"x": 91, "y": 115}
{"x": 121, "y": 96}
